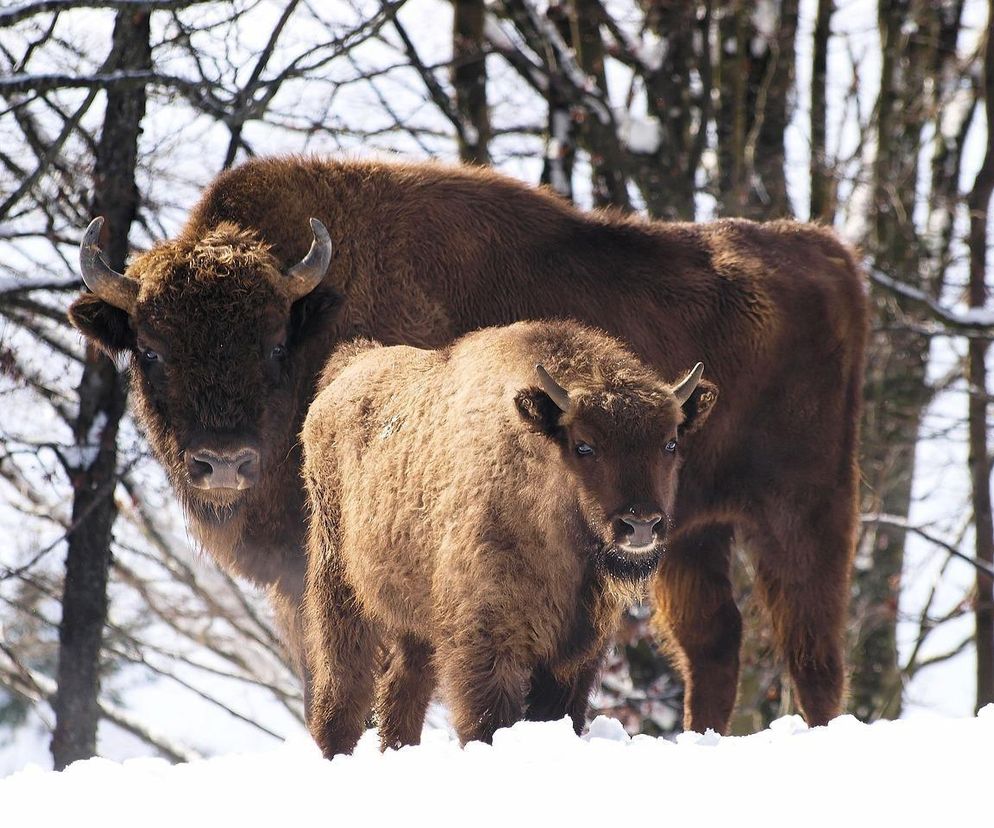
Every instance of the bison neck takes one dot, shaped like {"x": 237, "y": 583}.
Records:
{"x": 600, "y": 602}
{"x": 262, "y": 539}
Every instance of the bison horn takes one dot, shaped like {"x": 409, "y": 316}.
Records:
{"x": 559, "y": 395}
{"x": 308, "y": 273}
{"x": 114, "y": 288}
{"x": 686, "y": 386}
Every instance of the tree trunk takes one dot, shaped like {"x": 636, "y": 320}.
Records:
{"x": 560, "y": 148}
{"x": 773, "y": 77}
{"x": 469, "y": 77}
{"x": 980, "y": 465}
{"x": 756, "y": 73}
{"x": 667, "y": 177}
{"x": 102, "y": 394}
{"x": 610, "y": 184}
{"x": 822, "y": 184}
{"x": 896, "y": 391}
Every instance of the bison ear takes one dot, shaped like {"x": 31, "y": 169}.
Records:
{"x": 103, "y": 324}
{"x": 698, "y": 406}
{"x": 539, "y": 412}
{"x": 314, "y": 311}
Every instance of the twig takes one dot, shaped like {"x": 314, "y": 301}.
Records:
{"x": 903, "y": 523}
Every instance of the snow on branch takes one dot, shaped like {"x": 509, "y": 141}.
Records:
{"x": 39, "y": 84}
{"x": 972, "y": 321}
{"x": 577, "y": 81}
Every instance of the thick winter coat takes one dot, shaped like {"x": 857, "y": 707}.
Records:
{"x": 492, "y": 516}
{"x": 226, "y": 348}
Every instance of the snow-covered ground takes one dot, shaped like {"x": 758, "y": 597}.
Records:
{"x": 926, "y": 771}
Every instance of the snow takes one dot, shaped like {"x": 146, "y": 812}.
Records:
{"x": 651, "y": 51}
{"x": 640, "y": 135}
{"x": 766, "y": 20}
{"x": 83, "y": 455}
{"x": 920, "y": 772}
{"x": 493, "y": 32}
{"x": 981, "y": 317}
{"x": 558, "y": 144}
{"x": 470, "y": 133}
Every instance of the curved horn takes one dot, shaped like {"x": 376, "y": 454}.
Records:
{"x": 686, "y": 386}
{"x": 114, "y": 288}
{"x": 308, "y": 273}
{"x": 559, "y": 395}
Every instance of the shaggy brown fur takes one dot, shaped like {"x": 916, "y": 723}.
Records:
{"x": 457, "y": 508}
{"x": 425, "y": 253}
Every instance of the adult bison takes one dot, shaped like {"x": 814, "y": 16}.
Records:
{"x": 492, "y": 506}
{"x": 229, "y": 325}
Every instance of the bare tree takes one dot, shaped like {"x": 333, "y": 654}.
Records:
{"x": 102, "y": 393}
{"x": 679, "y": 110}
{"x": 469, "y": 77}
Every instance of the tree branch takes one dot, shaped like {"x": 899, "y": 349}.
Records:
{"x": 903, "y": 523}
{"x": 16, "y": 14}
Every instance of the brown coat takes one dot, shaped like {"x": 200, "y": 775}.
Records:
{"x": 457, "y": 508}
{"x": 425, "y": 253}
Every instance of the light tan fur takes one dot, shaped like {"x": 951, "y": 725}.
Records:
{"x": 443, "y": 519}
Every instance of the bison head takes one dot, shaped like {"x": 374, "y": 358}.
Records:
{"x": 621, "y": 446}
{"x": 218, "y": 336}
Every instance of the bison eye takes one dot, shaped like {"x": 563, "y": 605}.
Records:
{"x": 278, "y": 352}
{"x": 584, "y": 449}
{"x": 670, "y": 446}
{"x": 148, "y": 355}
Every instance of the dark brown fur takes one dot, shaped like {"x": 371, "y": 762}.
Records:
{"x": 425, "y": 253}
{"x": 452, "y": 511}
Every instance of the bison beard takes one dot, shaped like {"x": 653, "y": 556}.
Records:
{"x": 425, "y": 253}
{"x": 625, "y": 566}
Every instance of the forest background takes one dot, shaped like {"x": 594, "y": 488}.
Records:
{"x": 871, "y": 117}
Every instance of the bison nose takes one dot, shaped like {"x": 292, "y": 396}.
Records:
{"x": 227, "y": 469}
{"x": 643, "y": 530}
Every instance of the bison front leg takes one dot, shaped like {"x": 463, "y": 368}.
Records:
{"x": 405, "y": 691}
{"x": 695, "y": 614}
{"x": 342, "y": 651}
{"x": 485, "y": 681}
{"x": 551, "y": 697}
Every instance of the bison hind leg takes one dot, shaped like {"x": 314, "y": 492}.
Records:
{"x": 804, "y": 582}
{"x": 405, "y": 690}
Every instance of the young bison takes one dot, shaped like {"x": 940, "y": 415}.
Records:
{"x": 489, "y": 522}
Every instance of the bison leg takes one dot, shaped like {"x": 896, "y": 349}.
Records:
{"x": 404, "y": 692}
{"x": 286, "y": 598}
{"x": 342, "y": 650}
{"x": 485, "y": 683}
{"x": 695, "y": 614}
{"x": 549, "y": 698}
{"x": 803, "y": 577}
